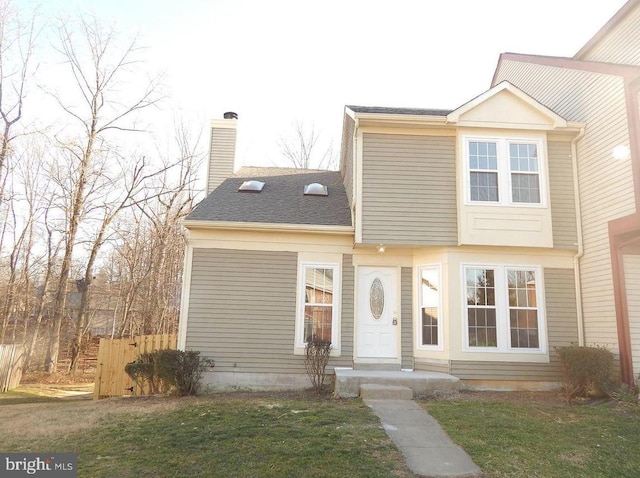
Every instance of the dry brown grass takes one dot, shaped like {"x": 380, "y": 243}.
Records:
{"x": 68, "y": 416}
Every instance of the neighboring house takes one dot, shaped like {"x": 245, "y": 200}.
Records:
{"x": 470, "y": 241}
{"x": 600, "y": 87}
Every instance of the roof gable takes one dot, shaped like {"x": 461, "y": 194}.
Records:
{"x": 506, "y": 106}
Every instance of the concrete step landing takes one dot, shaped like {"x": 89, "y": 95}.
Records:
{"x": 373, "y": 391}
{"x": 348, "y": 382}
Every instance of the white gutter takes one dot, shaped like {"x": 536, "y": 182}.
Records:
{"x": 578, "y": 256}
{"x": 265, "y": 226}
{"x": 403, "y": 118}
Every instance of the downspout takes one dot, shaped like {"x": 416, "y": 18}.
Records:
{"x": 186, "y": 291}
{"x": 354, "y": 173}
{"x": 580, "y": 253}
{"x": 355, "y": 195}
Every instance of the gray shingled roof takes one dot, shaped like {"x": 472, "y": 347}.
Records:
{"x": 398, "y": 111}
{"x": 280, "y": 202}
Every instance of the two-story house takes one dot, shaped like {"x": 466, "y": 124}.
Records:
{"x": 446, "y": 243}
{"x": 469, "y": 242}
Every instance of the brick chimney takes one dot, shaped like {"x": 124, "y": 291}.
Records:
{"x": 223, "y": 150}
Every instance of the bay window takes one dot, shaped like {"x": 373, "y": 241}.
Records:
{"x": 503, "y": 308}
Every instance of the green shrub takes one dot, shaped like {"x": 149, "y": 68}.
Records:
{"x": 143, "y": 372}
{"x": 168, "y": 368}
{"x": 317, "y": 354}
{"x": 182, "y": 369}
{"x": 586, "y": 371}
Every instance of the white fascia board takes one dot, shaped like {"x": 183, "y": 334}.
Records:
{"x": 402, "y": 119}
{"x": 262, "y": 226}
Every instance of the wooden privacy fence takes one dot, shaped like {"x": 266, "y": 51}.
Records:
{"x": 11, "y": 360}
{"x": 114, "y": 354}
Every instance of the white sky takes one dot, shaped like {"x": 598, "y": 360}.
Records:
{"x": 277, "y": 61}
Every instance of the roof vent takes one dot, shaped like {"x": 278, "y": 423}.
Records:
{"x": 315, "y": 189}
{"x": 252, "y": 186}
{"x": 230, "y": 115}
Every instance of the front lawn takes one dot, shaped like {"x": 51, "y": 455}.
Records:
{"x": 290, "y": 435}
{"x": 538, "y": 436}
{"x": 226, "y": 436}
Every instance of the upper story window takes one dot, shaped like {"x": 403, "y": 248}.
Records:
{"x": 483, "y": 171}
{"x": 525, "y": 173}
{"x": 504, "y": 171}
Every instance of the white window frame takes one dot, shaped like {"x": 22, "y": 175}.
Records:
{"x": 503, "y": 331}
{"x": 336, "y": 266}
{"x": 504, "y": 169}
{"x": 419, "y": 329}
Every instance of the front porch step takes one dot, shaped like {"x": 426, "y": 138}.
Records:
{"x": 377, "y": 367}
{"x": 348, "y": 382}
{"x": 374, "y": 391}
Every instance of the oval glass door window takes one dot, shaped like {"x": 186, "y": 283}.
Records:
{"x": 376, "y": 298}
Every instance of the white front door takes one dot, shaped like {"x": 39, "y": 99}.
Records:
{"x": 378, "y": 313}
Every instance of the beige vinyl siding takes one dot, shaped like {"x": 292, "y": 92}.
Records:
{"x": 409, "y": 190}
{"x": 606, "y": 185}
{"x": 562, "y": 329}
{"x": 563, "y": 206}
{"x": 242, "y": 310}
{"x": 406, "y": 317}
{"x": 469, "y": 370}
{"x": 620, "y": 45}
{"x": 347, "y": 157}
{"x": 221, "y": 156}
{"x": 432, "y": 367}
{"x": 632, "y": 278}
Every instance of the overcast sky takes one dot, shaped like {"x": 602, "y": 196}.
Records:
{"x": 277, "y": 61}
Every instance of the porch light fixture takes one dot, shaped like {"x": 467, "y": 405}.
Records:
{"x": 381, "y": 248}
{"x": 252, "y": 186}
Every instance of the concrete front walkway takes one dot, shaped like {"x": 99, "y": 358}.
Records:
{"x": 428, "y": 450}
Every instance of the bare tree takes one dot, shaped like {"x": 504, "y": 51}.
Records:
{"x": 98, "y": 67}
{"x": 128, "y": 193}
{"x": 302, "y": 148}
{"x": 16, "y": 49}
{"x": 53, "y": 245}
{"x": 148, "y": 260}
{"x": 24, "y": 211}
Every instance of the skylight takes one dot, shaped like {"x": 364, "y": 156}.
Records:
{"x": 251, "y": 186}
{"x": 315, "y": 189}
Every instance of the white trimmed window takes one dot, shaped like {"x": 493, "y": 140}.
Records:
{"x": 504, "y": 171}
{"x": 430, "y": 325}
{"x": 503, "y": 309}
{"x": 318, "y": 303}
